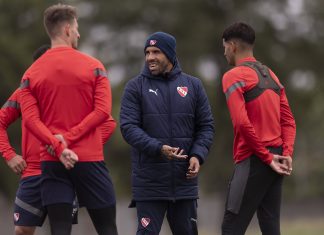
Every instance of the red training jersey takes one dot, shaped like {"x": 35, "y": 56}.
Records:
{"x": 266, "y": 121}
{"x": 9, "y": 113}
{"x": 67, "y": 92}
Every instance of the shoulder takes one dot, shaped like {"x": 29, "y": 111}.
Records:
{"x": 94, "y": 62}
{"x": 134, "y": 83}
{"x": 13, "y": 101}
{"x": 275, "y": 78}
{"x": 234, "y": 75}
{"x": 194, "y": 80}
{"x": 235, "y": 72}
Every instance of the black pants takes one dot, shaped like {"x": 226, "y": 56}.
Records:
{"x": 254, "y": 187}
{"x": 181, "y": 215}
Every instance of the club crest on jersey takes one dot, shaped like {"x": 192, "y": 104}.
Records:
{"x": 182, "y": 90}
{"x": 153, "y": 42}
{"x": 16, "y": 216}
{"x": 145, "y": 222}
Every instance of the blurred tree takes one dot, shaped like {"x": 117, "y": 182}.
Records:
{"x": 289, "y": 38}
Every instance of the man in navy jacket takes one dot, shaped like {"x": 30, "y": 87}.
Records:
{"x": 166, "y": 118}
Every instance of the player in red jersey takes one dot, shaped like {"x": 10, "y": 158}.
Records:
{"x": 28, "y": 212}
{"x": 66, "y": 93}
{"x": 264, "y": 130}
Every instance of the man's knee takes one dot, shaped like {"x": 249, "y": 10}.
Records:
{"x": 24, "y": 230}
{"x": 270, "y": 226}
{"x": 188, "y": 226}
{"x": 229, "y": 225}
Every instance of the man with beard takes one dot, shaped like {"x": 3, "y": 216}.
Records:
{"x": 166, "y": 118}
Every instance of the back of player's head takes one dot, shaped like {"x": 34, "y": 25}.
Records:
{"x": 40, "y": 51}
{"x": 240, "y": 31}
{"x": 57, "y": 14}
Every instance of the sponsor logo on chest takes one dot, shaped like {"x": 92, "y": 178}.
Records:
{"x": 182, "y": 90}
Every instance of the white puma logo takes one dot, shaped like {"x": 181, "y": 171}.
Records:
{"x": 154, "y": 91}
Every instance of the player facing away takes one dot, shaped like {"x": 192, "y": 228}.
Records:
{"x": 65, "y": 96}
{"x": 264, "y": 136}
{"x": 166, "y": 118}
{"x": 28, "y": 211}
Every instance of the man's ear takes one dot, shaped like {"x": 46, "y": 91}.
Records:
{"x": 67, "y": 29}
{"x": 234, "y": 46}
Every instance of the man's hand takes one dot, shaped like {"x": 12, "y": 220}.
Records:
{"x": 50, "y": 149}
{"x": 61, "y": 138}
{"x": 172, "y": 152}
{"x": 17, "y": 164}
{"x": 68, "y": 158}
{"x": 193, "y": 168}
{"x": 281, "y": 165}
{"x": 288, "y": 161}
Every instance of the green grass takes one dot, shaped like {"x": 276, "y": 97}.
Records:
{"x": 298, "y": 227}
{"x": 306, "y": 226}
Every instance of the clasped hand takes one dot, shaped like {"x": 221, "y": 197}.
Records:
{"x": 68, "y": 157}
{"x": 282, "y": 164}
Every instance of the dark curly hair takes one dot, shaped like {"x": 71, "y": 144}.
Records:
{"x": 241, "y": 31}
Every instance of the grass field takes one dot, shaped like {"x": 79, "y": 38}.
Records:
{"x": 294, "y": 227}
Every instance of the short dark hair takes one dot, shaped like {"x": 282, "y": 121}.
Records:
{"x": 40, "y": 51}
{"x": 241, "y": 31}
{"x": 57, "y": 14}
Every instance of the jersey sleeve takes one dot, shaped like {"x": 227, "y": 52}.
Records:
{"x": 101, "y": 111}
{"x": 9, "y": 113}
{"x": 107, "y": 129}
{"x": 288, "y": 125}
{"x": 30, "y": 113}
{"x": 287, "y": 121}
{"x": 234, "y": 87}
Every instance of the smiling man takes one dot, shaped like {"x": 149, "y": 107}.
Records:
{"x": 166, "y": 118}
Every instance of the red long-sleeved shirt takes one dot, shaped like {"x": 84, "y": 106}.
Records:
{"x": 262, "y": 122}
{"x": 9, "y": 113}
{"x": 67, "y": 92}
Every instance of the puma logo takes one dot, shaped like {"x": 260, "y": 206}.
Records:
{"x": 153, "y": 91}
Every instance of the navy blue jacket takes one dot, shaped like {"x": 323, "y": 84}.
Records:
{"x": 172, "y": 110}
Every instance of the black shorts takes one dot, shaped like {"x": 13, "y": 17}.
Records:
{"x": 89, "y": 180}
{"x": 29, "y": 210}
